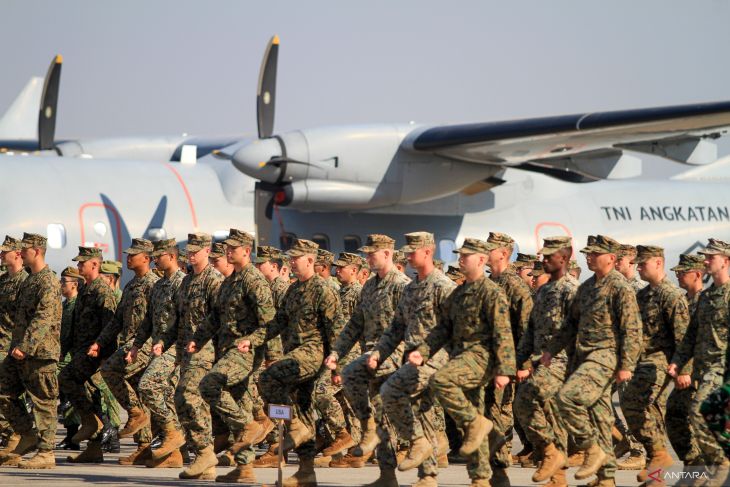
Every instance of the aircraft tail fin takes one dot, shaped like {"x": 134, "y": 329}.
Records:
{"x": 717, "y": 171}
{"x": 20, "y": 121}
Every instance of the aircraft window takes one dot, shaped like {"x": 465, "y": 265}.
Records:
{"x": 352, "y": 243}
{"x": 287, "y": 240}
{"x": 156, "y": 234}
{"x": 446, "y": 250}
{"x": 220, "y": 235}
{"x": 56, "y": 234}
{"x": 322, "y": 240}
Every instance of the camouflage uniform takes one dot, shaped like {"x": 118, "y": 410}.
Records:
{"x": 477, "y": 336}
{"x": 36, "y": 333}
{"x": 605, "y": 325}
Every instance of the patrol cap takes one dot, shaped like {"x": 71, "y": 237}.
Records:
{"x": 417, "y": 240}
{"x": 11, "y": 244}
{"x": 266, "y": 253}
{"x": 473, "y": 246}
{"x": 218, "y": 250}
{"x": 182, "y": 255}
{"x": 239, "y": 238}
{"x": 497, "y": 240}
{"x": 524, "y": 261}
{"x": 591, "y": 241}
{"x": 538, "y": 270}
{"x": 626, "y": 250}
{"x": 714, "y": 247}
{"x": 198, "y": 241}
{"x": 602, "y": 245}
{"x": 303, "y": 247}
{"x": 325, "y": 257}
{"x": 573, "y": 266}
{"x": 377, "y": 242}
{"x": 400, "y": 258}
{"x": 71, "y": 272}
{"x": 553, "y": 244}
{"x": 454, "y": 273}
{"x": 346, "y": 258}
{"x": 646, "y": 252}
{"x": 87, "y": 253}
{"x": 364, "y": 263}
{"x": 690, "y": 262}
{"x": 139, "y": 246}
{"x": 163, "y": 246}
{"x": 33, "y": 241}
{"x": 111, "y": 267}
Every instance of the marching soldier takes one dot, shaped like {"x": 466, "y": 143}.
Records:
{"x": 111, "y": 273}
{"x": 539, "y": 277}
{"x": 524, "y": 264}
{"x": 323, "y": 267}
{"x": 400, "y": 260}
{"x": 218, "y": 259}
{"x": 70, "y": 282}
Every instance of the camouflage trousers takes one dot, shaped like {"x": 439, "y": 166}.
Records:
{"x": 75, "y": 380}
{"x": 291, "y": 380}
{"x": 6, "y": 429}
{"x": 328, "y": 407}
{"x": 192, "y": 411}
{"x": 679, "y": 429}
{"x": 254, "y": 404}
{"x": 108, "y": 406}
{"x": 157, "y": 389}
{"x": 36, "y": 378}
{"x": 635, "y": 448}
{"x": 123, "y": 380}
{"x": 459, "y": 388}
{"x": 645, "y": 401}
{"x": 712, "y": 452}
{"x": 410, "y": 406}
{"x": 223, "y": 389}
{"x": 716, "y": 410}
{"x": 584, "y": 403}
{"x": 498, "y": 408}
{"x": 536, "y": 407}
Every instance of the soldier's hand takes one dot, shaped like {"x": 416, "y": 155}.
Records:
{"x": 244, "y": 346}
{"x": 131, "y": 355}
{"x": 157, "y": 349}
{"x": 523, "y": 374}
{"x": 546, "y": 359}
{"x": 501, "y": 381}
{"x": 93, "y": 350}
{"x": 415, "y": 358}
{"x": 672, "y": 370}
{"x": 336, "y": 379}
{"x": 330, "y": 362}
{"x": 623, "y": 376}
{"x": 192, "y": 347}
{"x": 372, "y": 362}
{"x": 17, "y": 354}
{"x": 683, "y": 381}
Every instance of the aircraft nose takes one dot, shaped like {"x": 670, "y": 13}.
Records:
{"x": 253, "y": 159}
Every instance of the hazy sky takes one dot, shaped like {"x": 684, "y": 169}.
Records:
{"x": 164, "y": 67}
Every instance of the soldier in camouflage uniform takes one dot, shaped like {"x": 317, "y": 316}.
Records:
{"x": 94, "y": 309}
{"x": 605, "y": 325}
{"x": 218, "y": 259}
{"x": 455, "y": 275}
{"x": 706, "y": 343}
{"x": 308, "y": 321}
{"x": 10, "y": 282}
{"x": 30, "y": 368}
{"x": 574, "y": 269}
{"x": 690, "y": 272}
{"x": 378, "y": 302}
{"x": 111, "y": 273}
{"x": 158, "y": 381}
{"x": 406, "y": 399}
{"x": 323, "y": 267}
{"x": 400, "y": 260}
{"x": 523, "y": 265}
{"x": 477, "y": 336}
{"x": 664, "y": 316}
{"x": 70, "y": 282}
{"x": 539, "y": 277}
{"x": 535, "y": 405}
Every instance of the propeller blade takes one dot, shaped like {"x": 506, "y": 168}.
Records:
{"x": 49, "y": 102}
{"x": 266, "y": 94}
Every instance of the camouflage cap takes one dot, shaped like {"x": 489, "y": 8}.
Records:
{"x": 163, "y": 246}
{"x": 198, "y": 241}
{"x": 417, "y": 240}
{"x": 346, "y": 258}
{"x": 690, "y": 262}
{"x": 497, "y": 240}
{"x": 364, "y": 263}
{"x": 303, "y": 247}
{"x": 454, "y": 273}
{"x": 400, "y": 258}
{"x": 473, "y": 246}
{"x": 266, "y": 253}
{"x": 325, "y": 257}
{"x": 140, "y": 246}
{"x": 71, "y": 272}
{"x": 377, "y": 242}
{"x": 626, "y": 250}
{"x": 111, "y": 267}
{"x": 573, "y": 266}
{"x": 538, "y": 270}
{"x": 182, "y": 255}
{"x": 601, "y": 245}
{"x": 217, "y": 251}
{"x": 525, "y": 261}
{"x": 591, "y": 241}
{"x": 646, "y": 252}
{"x": 553, "y": 244}
{"x": 239, "y": 238}
{"x": 33, "y": 241}
{"x": 716, "y": 247}
{"x": 87, "y": 253}
{"x": 11, "y": 244}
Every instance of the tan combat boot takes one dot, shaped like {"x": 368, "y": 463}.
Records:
{"x": 270, "y": 459}
{"x": 173, "y": 440}
{"x": 13, "y": 442}
{"x": 342, "y": 442}
{"x": 323, "y": 461}
{"x": 426, "y": 481}
{"x": 173, "y": 460}
{"x": 420, "y": 450}
{"x": 480, "y": 483}
{"x": 265, "y": 424}
{"x": 594, "y": 459}
{"x": 136, "y": 421}
{"x": 90, "y": 425}
{"x": 350, "y": 461}
{"x": 558, "y": 479}
{"x": 369, "y": 439}
{"x": 443, "y": 452}
{"x": 242, "y": 474}
{"x": 226, "y": 459}
{"x": 138, "y": 456}
{"x": 204, "y": 464}
{"x": 41, "y": 460}
{"x": 474, "y": 434}
{"x": 525, "y": 452}
{"x": 552, "y": 461}
{"x": 659, "y": 459}
{"x": 576, "y": 459}
{"x": 298, "y": 434}
{"x": 635, "y": 461}
{"x": 92, "y": 454}
{"x": 25, "y": 443}
{"x": 303, "y": 477}
{"x": 386, "y": 479}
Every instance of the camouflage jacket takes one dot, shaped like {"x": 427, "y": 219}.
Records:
{"x": 606, "y": 321}
{"x": 334, "y": 283}
{"x": 519, "y": 296}
{"x": 692, "y": 303}
{"x": 475, "y": 319}
{"x": 636, "y": 283}
{"x": 665, "y": 317}
{"x": 195, "y": 299}
{"x": 160, "y": 322}
{"x": 378, "y": 301}
{"x": 243, "y": 310}
{"x": 278, "y": 291}
{"x": 551, "y": 308}
{"x": 420, "y": 308}
{"x": 117, "y": 295}
{"x": 37, "y": 330}
{"x": 130, "y": 312}
{"x": 67, "y": 315}
{"x": 707, "y": 334}
{"x": 349, "y": 299}
{"x": 95, "y": 306}
{"x": 310, "y": 317}
{"x": 9, "y": 288}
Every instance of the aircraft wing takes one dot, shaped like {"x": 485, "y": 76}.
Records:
{"x": 584, "y": 147}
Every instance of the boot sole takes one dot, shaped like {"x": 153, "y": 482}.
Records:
{"x": 589, "y": 473}
{"x": 37, "y": 467}
{"x": 161, "y": 453}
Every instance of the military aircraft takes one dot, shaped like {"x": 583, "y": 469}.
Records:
{"x": 565, "y": 175}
